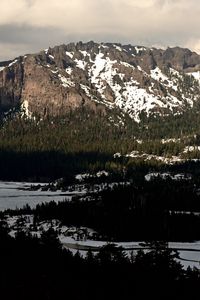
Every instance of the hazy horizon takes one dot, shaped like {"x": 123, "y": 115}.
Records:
{"x": 28, "y": 26}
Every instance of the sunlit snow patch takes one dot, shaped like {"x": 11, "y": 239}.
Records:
{"x": 68, "y": 70}
{"x": 80, "y": 64}
{"x": 66, "y": 82}
{"x": 158, "y": 75}
{"x": 81, "y": 177}
{"x": 25, "y": 110}
{"x": 164, "y": 176}
{"x": 138, "y": 49}
{"x": 86, "y": 90}
{"x": 191, "y": 149}
{"x": 118, "y": 48}
{"x": 85, "y": 53}
{"x": 12, "y": 63}
{"x": 196, "y": 75}
{"x": 70, "y": 54}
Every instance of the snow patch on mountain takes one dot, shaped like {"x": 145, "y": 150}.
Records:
{"x": 130, "y": 97}
{"x": 158, "y": 75}
{"x": 138, "y": 49}
{"x": 86, "y": 89}
{"x": 25, "y": 109}
{"x": 66, "y": 82}
{"x": 122, "y": 76}
{"x": 70, "y": 54}
{"x": 196, "y": 75}
{"x": 99, "y": 65}
{"x": 69, "y": 70}
{"x": 102, "y": 71}
{"x": 118, "y": 48}
{"x": 104, "y": 46}
{"x": 127, "y": 65}
{"x": 85, "y": 53}
{"x": 134, "y": 100}
{"x": 80, "y": 64}
{"x": 54, "y": 71}
{"x": 13, "y": 62}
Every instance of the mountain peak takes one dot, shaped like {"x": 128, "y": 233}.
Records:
{"x": 136, "y": 79}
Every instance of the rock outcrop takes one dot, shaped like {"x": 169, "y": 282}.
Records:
{"x": 134, "y": 79}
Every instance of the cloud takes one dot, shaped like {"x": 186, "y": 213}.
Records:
{"x": 40, "y": 23}
{"x": 194, "y": 44}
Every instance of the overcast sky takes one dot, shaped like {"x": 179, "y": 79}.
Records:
{"x": 27, "y": 26}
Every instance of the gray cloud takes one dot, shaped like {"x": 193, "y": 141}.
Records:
{"x": 30, "y": 25}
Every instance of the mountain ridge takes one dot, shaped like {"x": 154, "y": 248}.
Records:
{"x": 135, "y": 79}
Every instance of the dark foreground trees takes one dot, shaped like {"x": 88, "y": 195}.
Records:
{"x": 38, "y": 268}
{"x": 157, "y": 210}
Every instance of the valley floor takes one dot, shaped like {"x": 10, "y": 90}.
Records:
{"x": 81, "y": 239}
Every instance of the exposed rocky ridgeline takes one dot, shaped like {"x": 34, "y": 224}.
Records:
{"x": 134, "y": 79}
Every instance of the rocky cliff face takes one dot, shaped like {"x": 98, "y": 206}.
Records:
{"x": 134, "y": 79}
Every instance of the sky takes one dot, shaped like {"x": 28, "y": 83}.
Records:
{"x": 28, "y": 26}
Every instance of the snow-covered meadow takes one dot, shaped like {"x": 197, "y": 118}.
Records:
{"x": 83, "y": 239}
{"x": 18, "y": 194}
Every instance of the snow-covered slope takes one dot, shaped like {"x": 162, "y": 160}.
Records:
{"x": 137, "y": 80}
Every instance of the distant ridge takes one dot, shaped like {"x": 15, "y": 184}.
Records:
{"x": 135, "y": 79}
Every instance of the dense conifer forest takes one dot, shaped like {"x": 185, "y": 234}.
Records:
{"x": 137, "y": 210}
{"x": 39, "y": 268}
{"x": 157, "y": 210}
{"x": 34, "y": 149}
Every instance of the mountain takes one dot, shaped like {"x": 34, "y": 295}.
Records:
{"x": 88, "y": 107}
{"x": 136, "y": 80}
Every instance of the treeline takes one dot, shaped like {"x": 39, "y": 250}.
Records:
{"x": 171, "y": 126}
{"x": 157, "y": 210}
{"x": 84, "y": 141}
{"x": 83, "y": 130}
{"x": 50, "y": 165}
{"x": 39, "y": 268}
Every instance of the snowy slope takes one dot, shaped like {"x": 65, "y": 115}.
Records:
{"x": 115, "y": 77}
{"x": 136, "y": 79}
